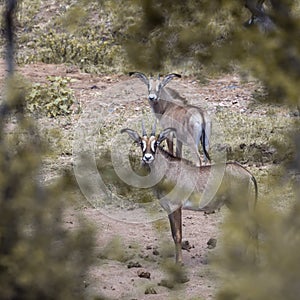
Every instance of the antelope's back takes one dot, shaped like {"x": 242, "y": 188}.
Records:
{"x": 237, "y": 189}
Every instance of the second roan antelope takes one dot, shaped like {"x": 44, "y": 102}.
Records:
{"x": 237, "y": 188}
{"x": 192, "y": 123}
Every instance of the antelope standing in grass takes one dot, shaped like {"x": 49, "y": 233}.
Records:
{"x": 192, "y": 124}
{"x": 237, "y": 188}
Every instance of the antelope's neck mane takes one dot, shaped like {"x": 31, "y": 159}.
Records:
{"x": 173, "y": 158}
{"x": 175, "y": 95}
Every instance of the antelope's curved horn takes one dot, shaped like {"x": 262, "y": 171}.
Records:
{"x": 141, "y": 76}
{"x": 153, "y": 129}
{"x": 144, "y": 133}
{"x": 168, "y": 78}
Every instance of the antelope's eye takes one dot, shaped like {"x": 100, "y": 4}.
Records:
{"x": 153, "y": 146}
{"x": 143, "y": 145}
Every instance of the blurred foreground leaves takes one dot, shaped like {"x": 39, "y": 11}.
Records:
{"x": 39, "y": 257}
{"x": 276, "y": 274}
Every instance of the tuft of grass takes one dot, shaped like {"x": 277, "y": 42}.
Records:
{"x": 90, "y": 54}
{"x": 52, "y": 99}
{"x": 254, "y": 138}
{"x": 115, "y": 250}
{"x": 78, "y": 33}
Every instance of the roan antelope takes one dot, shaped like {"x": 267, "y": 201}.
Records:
{"x": 237, "y": 188}
{"x": 192, "y": 123}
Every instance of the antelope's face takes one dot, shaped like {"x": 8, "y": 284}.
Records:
{"x": 154, "y": 87}
{"x": 149, "y": 147}
{"x": 153, "y": 90}
{"x": 150, "y": 144}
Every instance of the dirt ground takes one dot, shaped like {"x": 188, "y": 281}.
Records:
{"x": 141, "y": 247}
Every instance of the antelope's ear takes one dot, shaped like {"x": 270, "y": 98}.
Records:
{"x": 132, "y": 134}
{"x": 164, "y": 134}
{"x": 141, "y": 76}
{"x": 168, "y": 78}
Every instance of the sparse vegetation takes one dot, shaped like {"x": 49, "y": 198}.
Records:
{"x": 52, "y": 99}
{"x": 49, "y": 33}
{"x": 115, "y": 250}
{"x": 255, "y": 138}
{"x": 92, "y": 53}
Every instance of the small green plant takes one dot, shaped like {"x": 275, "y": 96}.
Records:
{"x": 88, "y": 52}
{"x": 114, "y": 250}
{"x": 53, "y": 99}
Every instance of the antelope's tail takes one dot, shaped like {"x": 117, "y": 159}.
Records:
{"x": 204, "y": 142}
{"x": 255, "y": 188}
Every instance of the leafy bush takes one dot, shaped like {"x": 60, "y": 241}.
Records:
{"x": 52, "y": 99}
{"x": 91, "y": 53}
{"x": 93, "y": 46}
{"x": 39, "y": 257}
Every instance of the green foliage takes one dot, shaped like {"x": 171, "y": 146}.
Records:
{"x": 117, "y": 186}
{"x": 90, "y": 53}
{"x": 176, "y": 274}
{"x": 52, "y": 99}
{"x": 92, "y": 46}
{"x": 114, "y": 250}
{"x": 39, "y": 257}
{"x": 276, "y": 276}
{"x": 210, "y": 33}
{"x": 182, "y": 36}
{"x": 258, "y": 139}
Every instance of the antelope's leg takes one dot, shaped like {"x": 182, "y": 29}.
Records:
{"x": 176, "y": 228}
{"x": 170, "y": 145}
{"x": 197, "y": 136}
{"x": 178, "y": 148}
{"x": 199, "y": 157}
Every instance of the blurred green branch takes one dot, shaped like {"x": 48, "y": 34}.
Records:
{"x": 39, "y": 257}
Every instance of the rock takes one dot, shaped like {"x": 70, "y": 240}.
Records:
{"x": 143, "y": 274}
{"x": 185, "y": 245}
{"x": 243, "y": 146}
{"x": 212, "y": 243}
{"x": 155, "y": 252}
{"x": 150, "y": 290}
{"x": 132, "y": 264}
